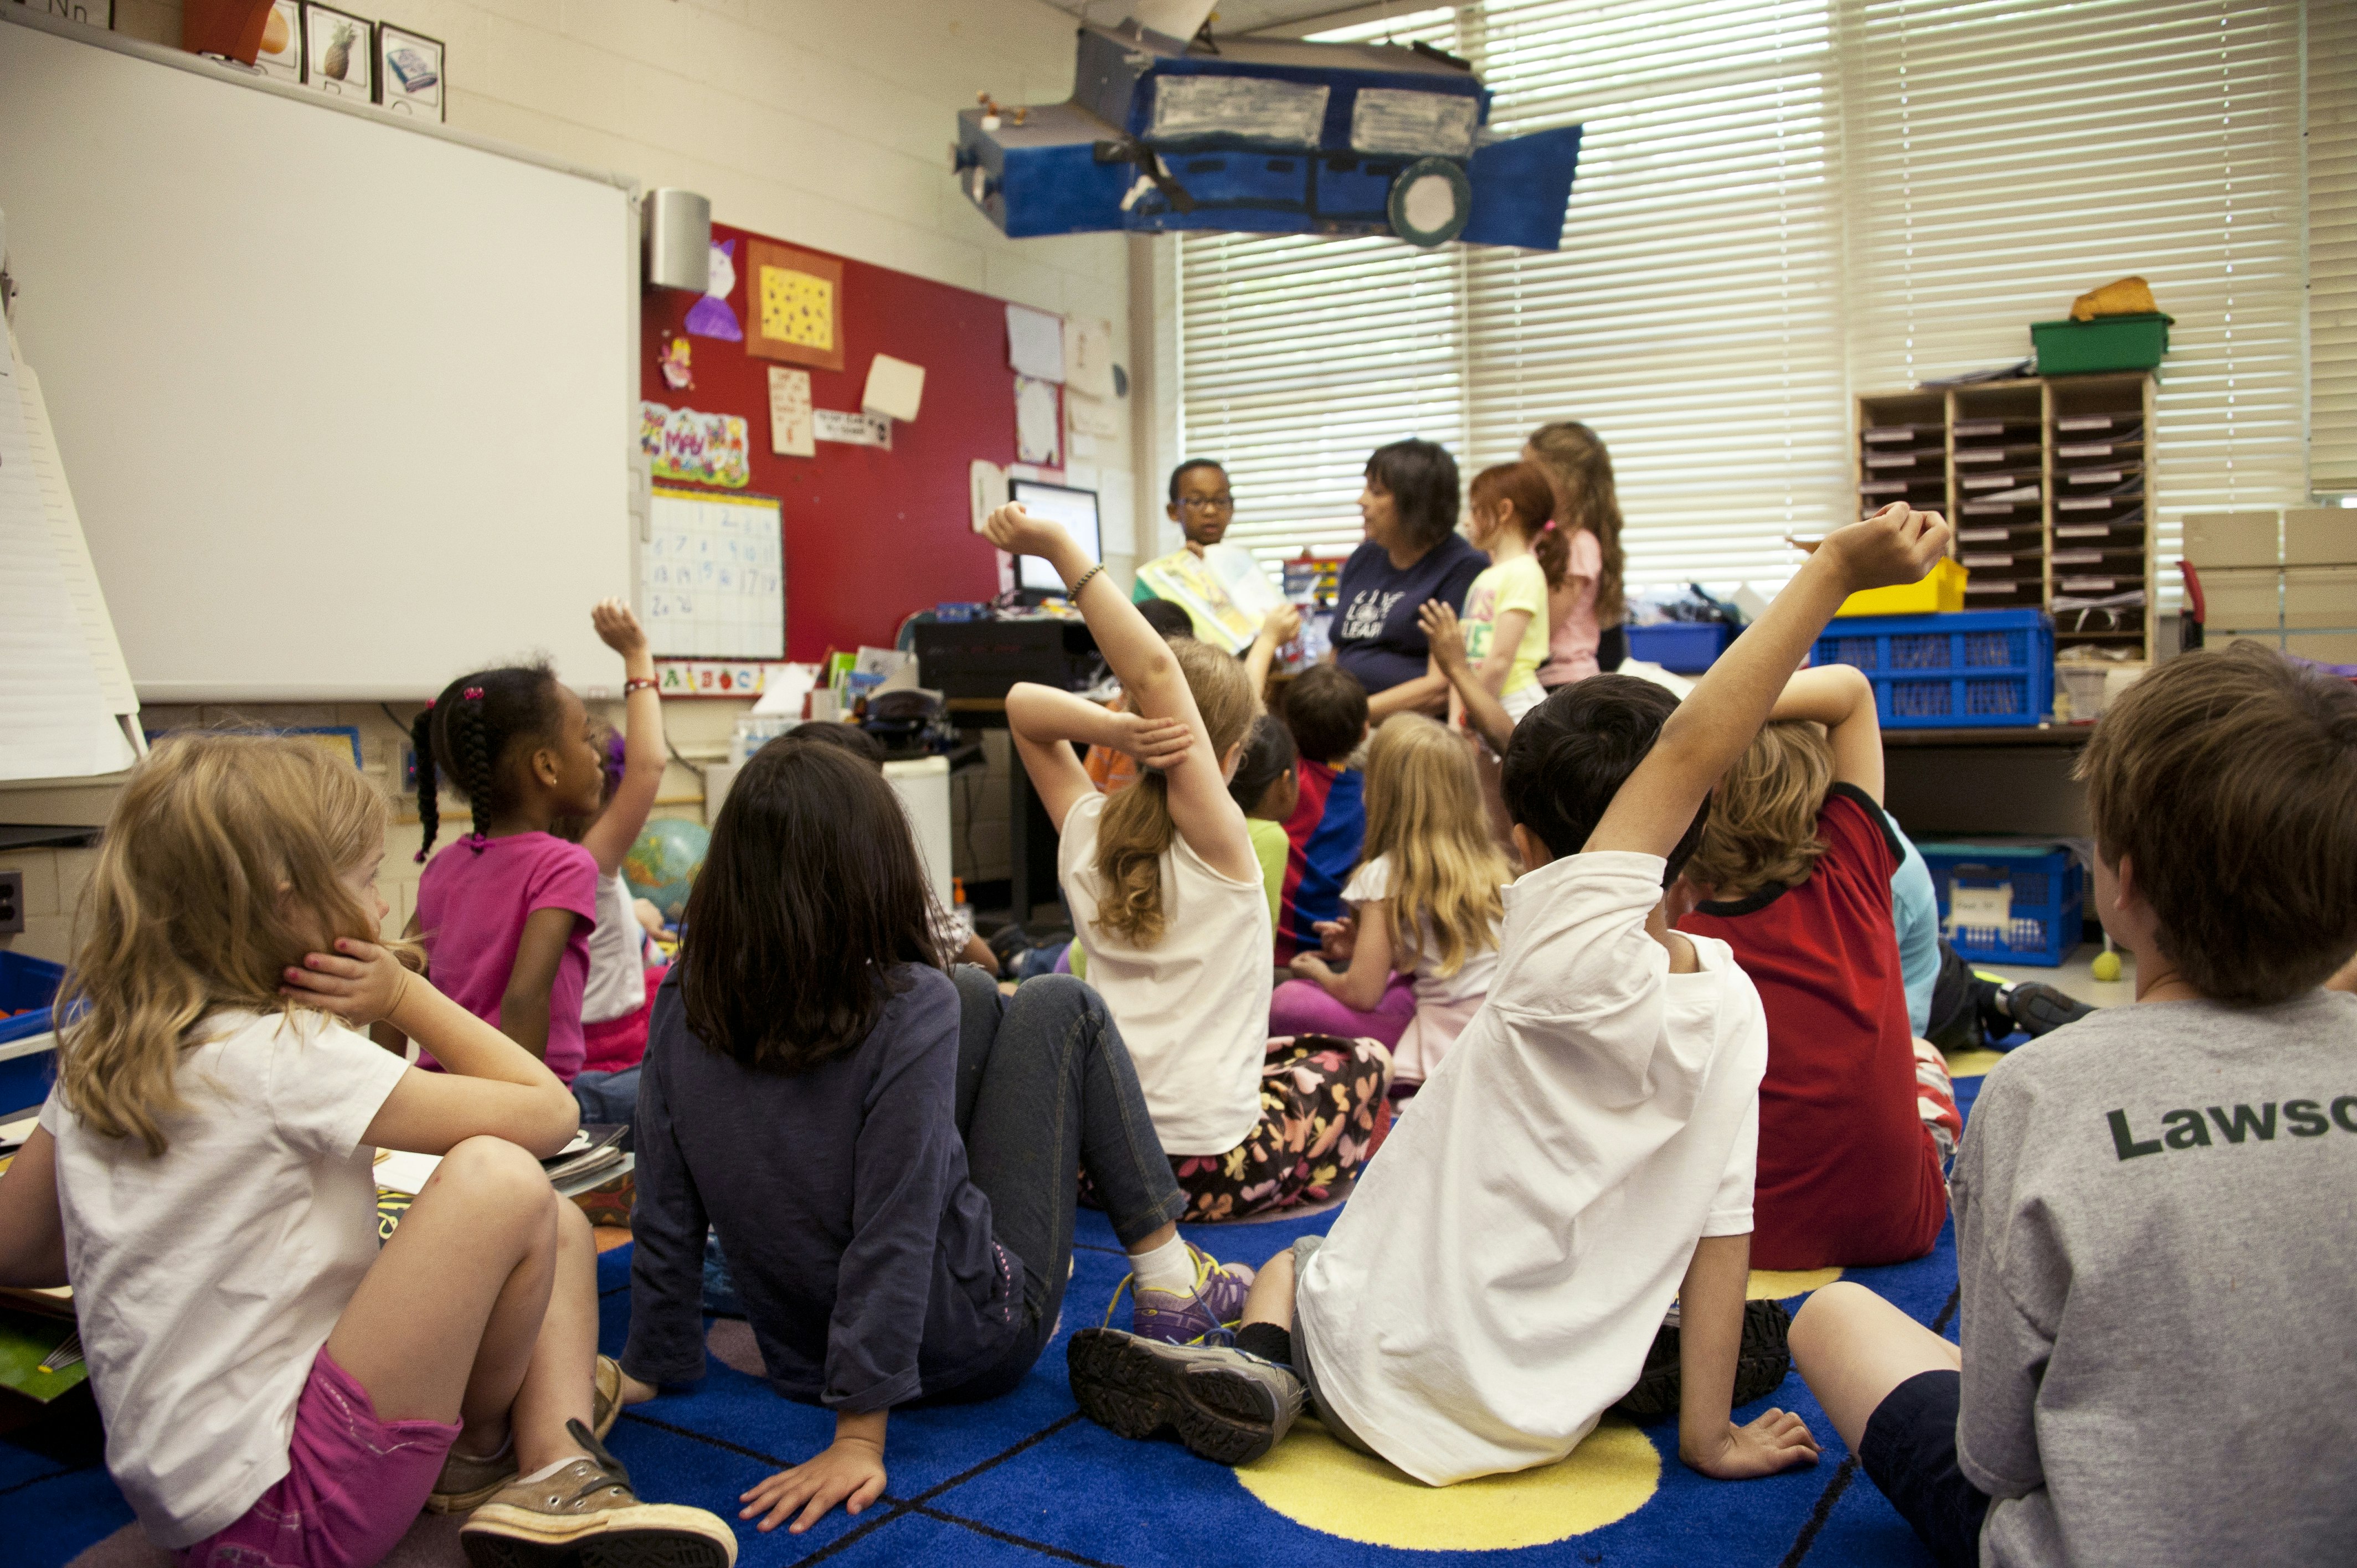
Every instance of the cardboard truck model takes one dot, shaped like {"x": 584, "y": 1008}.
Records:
{"x": 1272, "y": 136}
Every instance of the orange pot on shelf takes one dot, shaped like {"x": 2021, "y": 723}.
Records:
{"x": 230, "y": 27}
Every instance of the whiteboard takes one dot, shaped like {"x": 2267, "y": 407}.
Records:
{"x": 715, "y": 576}
{"x": 348, "y": 404}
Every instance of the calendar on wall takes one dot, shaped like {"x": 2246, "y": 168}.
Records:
{"x": 714, "y": 568}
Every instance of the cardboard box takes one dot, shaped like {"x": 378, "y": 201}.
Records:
{"x": 2230, "y": 538}
{"x": 2241, "y": 598}
{"x": 2321, "y": 598}
{"x": 2320, "y": 536}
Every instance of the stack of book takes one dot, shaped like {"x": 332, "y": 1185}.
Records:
{"x": 2000, "y": 518}
{"x": 2099, "y": 514}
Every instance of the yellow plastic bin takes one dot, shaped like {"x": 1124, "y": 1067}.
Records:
{"x": 1941, "y": 592}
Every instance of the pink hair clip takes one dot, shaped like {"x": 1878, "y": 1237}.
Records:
{"x": 472, "y": 693}
{"x": 1547, "y": 527}
{"x": 429, "y": 704}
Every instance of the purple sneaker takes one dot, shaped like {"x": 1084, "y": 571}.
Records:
{"x": 1206, "y": 1314}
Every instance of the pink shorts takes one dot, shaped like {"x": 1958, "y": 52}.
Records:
{"x": 354, "y": 1485}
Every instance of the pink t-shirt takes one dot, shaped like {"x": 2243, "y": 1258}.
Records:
{"x": 472, "y": 903}
{"x": 1571, "y": 646}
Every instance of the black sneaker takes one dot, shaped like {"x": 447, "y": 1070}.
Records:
{"x": 2041, "y": 1009}
{"x": 1760, "y": 1366}
{"x": 1228, "y": 1406}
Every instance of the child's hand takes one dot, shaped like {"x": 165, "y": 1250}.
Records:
{"x": 1310, "y": 966}
{"x": 1777, "y": 1441}
{"x": 1282, "y": 625}
{"x": 1337, "y": 939}
{"x": 850, "y": 1472}
{"x": 1895, "y": 546}
{"x": 617, "y": 628}
{"x": 361, "y": 986}
{"x": 1441, "y": 630}
{"x": 1018, "y": 533}
{"x": 1156, "y": 744}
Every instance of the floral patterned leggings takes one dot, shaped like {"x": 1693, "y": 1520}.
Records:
{"x": 1319, "y": 1100}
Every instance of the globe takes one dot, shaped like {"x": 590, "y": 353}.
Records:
{"x": 661, "y": 866}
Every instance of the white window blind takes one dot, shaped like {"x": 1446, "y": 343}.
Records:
{"x": 1782, "y": 202}
{"x": 2009, "y": 154}
{"x": 2332, "y": 246}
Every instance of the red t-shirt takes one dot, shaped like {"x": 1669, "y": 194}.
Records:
{"x": 1848, "y": 1174}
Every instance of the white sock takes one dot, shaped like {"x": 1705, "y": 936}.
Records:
{"x": 1169, "y": 1267}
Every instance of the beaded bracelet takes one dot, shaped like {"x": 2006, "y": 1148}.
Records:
{"x": 637, "y": 683}
{"x": 1073, "y": 593}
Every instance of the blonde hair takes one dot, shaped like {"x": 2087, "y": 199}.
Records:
{"x": 1763, "y": 817}
{"x": 1424, "y": 811}
{"x": 222, "y": 865}
{"x": 1135, "y": 831}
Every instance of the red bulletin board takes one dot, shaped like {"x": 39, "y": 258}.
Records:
{"x": 870, "y": 535}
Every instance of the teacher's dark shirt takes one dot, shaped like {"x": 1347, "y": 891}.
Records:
{"x": 1377, "y": 637}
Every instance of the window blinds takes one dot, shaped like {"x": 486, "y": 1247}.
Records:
{"x": 2332, "y": 247}
{"x": 1779, "y": 203}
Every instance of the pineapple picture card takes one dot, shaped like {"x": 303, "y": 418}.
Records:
{"x": 408, "y": 73}
{"x": 793, "y": 305}
{"x": 339, "y": 53}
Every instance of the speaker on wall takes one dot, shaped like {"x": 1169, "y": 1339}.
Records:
{"x": 678, "y": 232}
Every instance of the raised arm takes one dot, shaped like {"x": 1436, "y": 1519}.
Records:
{"x": 609, "y": 838}
{"x": 1047, "y": 723}
{"x": 1841, "y": 698}
{"x": 1712, "y": 726}
{"x": 1279, "y": 626}
{"x": 1207, "y": 818}
{"x": 1481, "y": 704}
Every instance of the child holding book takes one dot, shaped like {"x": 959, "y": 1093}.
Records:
{"x": 2152, "y": 1349}
{"x": 1585, "y": 1157}
{"x": 1169, "y": 901}
{"x": 275, "y": 1388}
{"x": 1425, "y": 903}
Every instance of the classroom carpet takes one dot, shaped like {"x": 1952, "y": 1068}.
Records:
{"x": 1025, "y": 1482}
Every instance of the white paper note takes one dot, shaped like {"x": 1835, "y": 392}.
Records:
{"x": 1035, "y": 343}
{"x": 1088, "y": 355}
{"x": 1037, "y": 438}
{"x": 790, "y": 413}
{"x": 894, "y": 387}
{"x": 853, "y": 429}
{"x": 1092, "y": 415}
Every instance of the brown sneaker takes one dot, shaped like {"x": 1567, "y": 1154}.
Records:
{"x": 467, "y": 1482}
{"x": 585, "y": 1512}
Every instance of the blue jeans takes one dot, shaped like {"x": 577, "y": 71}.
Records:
{"x": 607, "y": 1096}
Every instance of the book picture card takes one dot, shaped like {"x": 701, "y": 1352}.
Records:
{"x": 409, "y": 72}
{"x": 790, "y": 413}
{"x": 339, "y": 53}
{"x": 280, "y": 56}
{"x": 894, "y": 388}
{"x": 793, "y": 305}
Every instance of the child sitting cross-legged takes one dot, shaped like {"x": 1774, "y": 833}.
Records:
{"x": 887, "y": 1150}
{"x": 1326, "y": 708}
{"x": 1169, "y": 901}
{"x": 1855, "y": 1115}
{"x": 1424, "y": 902}
{"x": 2154, "y": 1234}
{"x": 1585, "y": 1154}
{"x": 276, "y": 1388}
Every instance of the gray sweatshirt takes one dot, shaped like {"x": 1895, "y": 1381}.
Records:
{"x": 2156, "y": 1238}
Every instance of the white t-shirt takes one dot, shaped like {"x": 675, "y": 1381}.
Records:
{"x": 1193, "y": 1008}
{"x": 206, "y": 1279}
{"x": 1497, "y": 1277}
{"x": 1371, "y": 881}
{"x": 617, "y": 987}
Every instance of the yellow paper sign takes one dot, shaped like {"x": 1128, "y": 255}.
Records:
{"x": 797, "y": 308}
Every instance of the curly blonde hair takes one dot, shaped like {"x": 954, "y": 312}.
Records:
{"x": 1137, "y": 830}
{"x": 1763, "y": 816}
{"x": 1424, "y": 811}
{"x": 222, "y": 864}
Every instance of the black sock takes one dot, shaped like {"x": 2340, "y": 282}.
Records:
{"x": 1267, "y": 1341}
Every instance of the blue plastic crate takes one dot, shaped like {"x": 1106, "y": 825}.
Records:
{"x": 1682, "y": 647}
{"x": 2023, "y": 903}
{"x": 1963, "y": 670}
{"x": 26, "y": 986}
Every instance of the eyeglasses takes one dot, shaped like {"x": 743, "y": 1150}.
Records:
{"x": 1208, "y": 503}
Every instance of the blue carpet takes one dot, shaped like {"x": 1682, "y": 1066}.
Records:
{"x": 1024, "y": 1480}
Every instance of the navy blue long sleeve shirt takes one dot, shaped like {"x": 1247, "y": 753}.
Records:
{"x": 861, "y": 1251}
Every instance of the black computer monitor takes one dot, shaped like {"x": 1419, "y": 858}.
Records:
{"x": 1075, "y": 510}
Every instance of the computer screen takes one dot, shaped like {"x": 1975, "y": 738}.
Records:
{"x": 1076, "y": 510}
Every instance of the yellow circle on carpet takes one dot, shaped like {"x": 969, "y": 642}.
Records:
{"x": 1778, "y": 1284}
{"x": 1973, "y": 1064}
{"x": 1315, "y": 1481}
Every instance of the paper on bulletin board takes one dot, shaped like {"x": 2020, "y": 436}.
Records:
{"x": 1091, "y": 415}
{"x": 894, "y": 388}
{"x": 1038, "y": 437}
{"x": 853, "y": 429}
{"x": 701, "y": 448}
{"x": 1088, "y": 355}
{"x": 790, "y": 413}
{"x": 1035, "y": 343}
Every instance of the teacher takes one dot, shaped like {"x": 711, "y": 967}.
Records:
{"x": 1412, "y": 553}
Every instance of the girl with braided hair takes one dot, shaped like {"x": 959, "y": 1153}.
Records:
{"x": 505, "y": 913}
